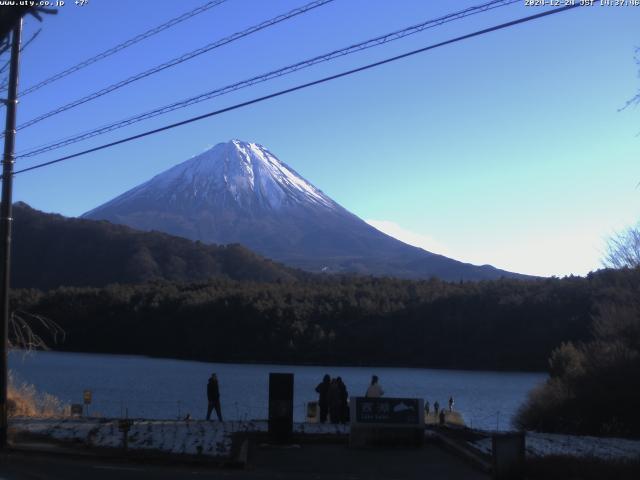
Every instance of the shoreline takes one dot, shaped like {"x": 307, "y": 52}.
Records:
{"x": 279, "y": 364}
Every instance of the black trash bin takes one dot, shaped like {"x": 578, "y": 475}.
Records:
{"x": 280, "y": 407}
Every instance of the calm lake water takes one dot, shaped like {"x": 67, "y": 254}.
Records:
{"x": 164, "y": 388}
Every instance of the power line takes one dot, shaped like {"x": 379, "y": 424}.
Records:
{"x": 302, "y": 86}
{"x": 178, "y": 60}
{"x": 24, "y": 45}
{"x": 123, "y": 45}
{"x": 389, "y": 37}
{"x": 5, "y": 81}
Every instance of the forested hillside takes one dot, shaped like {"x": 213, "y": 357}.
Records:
{"x": 51, "y": 250}
{"x": 502, "y": 324}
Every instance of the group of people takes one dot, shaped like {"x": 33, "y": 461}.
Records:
{"x": 436, "y": 406}
{"x": 436, "y": 409}
{"x": 333, "y": 400}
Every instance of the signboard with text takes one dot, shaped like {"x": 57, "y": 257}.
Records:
{"x": 387, "y": 411}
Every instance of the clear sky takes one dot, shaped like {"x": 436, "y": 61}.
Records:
{"x": 507, "y": 149}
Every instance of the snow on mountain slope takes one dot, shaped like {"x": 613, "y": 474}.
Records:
{"x": 239, "y": 192}
{"x": 246, "y": 173}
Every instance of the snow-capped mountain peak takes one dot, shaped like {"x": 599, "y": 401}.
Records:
{"x": 244, "y": 173}
{"x": 273, "y": 178}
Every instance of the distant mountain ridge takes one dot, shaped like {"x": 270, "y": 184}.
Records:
{"x": 50, "y": 250}
{"x": 239, "y": 192}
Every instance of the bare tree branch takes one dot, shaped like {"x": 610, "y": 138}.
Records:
{"x": 23, "y": 327}
{"x": 635, "y": 100}
{"x": 623, "y": 249}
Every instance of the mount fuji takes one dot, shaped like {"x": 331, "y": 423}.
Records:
{"x": 239, "y": 192}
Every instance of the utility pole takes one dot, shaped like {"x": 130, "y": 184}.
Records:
{"x": 6, "y": 221}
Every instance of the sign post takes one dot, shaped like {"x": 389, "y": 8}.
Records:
{"x": 86, "y": 398}
{"x": 124, "y": 425}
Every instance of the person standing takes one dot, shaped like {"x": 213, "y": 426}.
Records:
{"x": 335, "y": 401}
{"x": 436, "y": 407}
{"x": 213, "y": 396}
{"x": 426, "y": 407}
{"x": 451, "y": 404}
{"x": 344, "y": 401}
{"x": 374, "y": 390}
{"x": 323, "y": 397}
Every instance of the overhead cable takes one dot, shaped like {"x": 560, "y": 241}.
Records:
{"x": 175, "y": 61}
{"x": 123, "y": 45}
{"x": 382, "y": 39}
{"x": 302, "y": 86}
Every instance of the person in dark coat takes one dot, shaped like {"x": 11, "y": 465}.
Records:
{"x": 213, "y": 396}
{"x": 436, "y": 407}
{"x": 344, "y": 401}
{"x": 335, "y": 402}
{"x": 323, "y": 397}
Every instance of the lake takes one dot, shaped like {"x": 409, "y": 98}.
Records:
{"x": 165, "y": 388}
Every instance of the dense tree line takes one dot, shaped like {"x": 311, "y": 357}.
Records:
{"x": 502, "y": 324}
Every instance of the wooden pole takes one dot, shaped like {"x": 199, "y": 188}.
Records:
{"x": 6, "y": 221}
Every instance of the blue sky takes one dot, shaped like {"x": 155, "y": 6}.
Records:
{"x": 507, "y": 149}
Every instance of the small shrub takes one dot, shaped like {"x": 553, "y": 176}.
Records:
{"x": 23, "y": 400}
{"x": 542, "y": 411}
{"x": 593, "y": 388}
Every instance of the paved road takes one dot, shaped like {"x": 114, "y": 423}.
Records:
{"x": 51, "y": 467}
{"x": 339, "y": 461}
{"x": 306, "y": 462}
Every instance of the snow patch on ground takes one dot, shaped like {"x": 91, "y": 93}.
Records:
{"x": 194, "y": 437}
{"x": 543, "y": 444}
